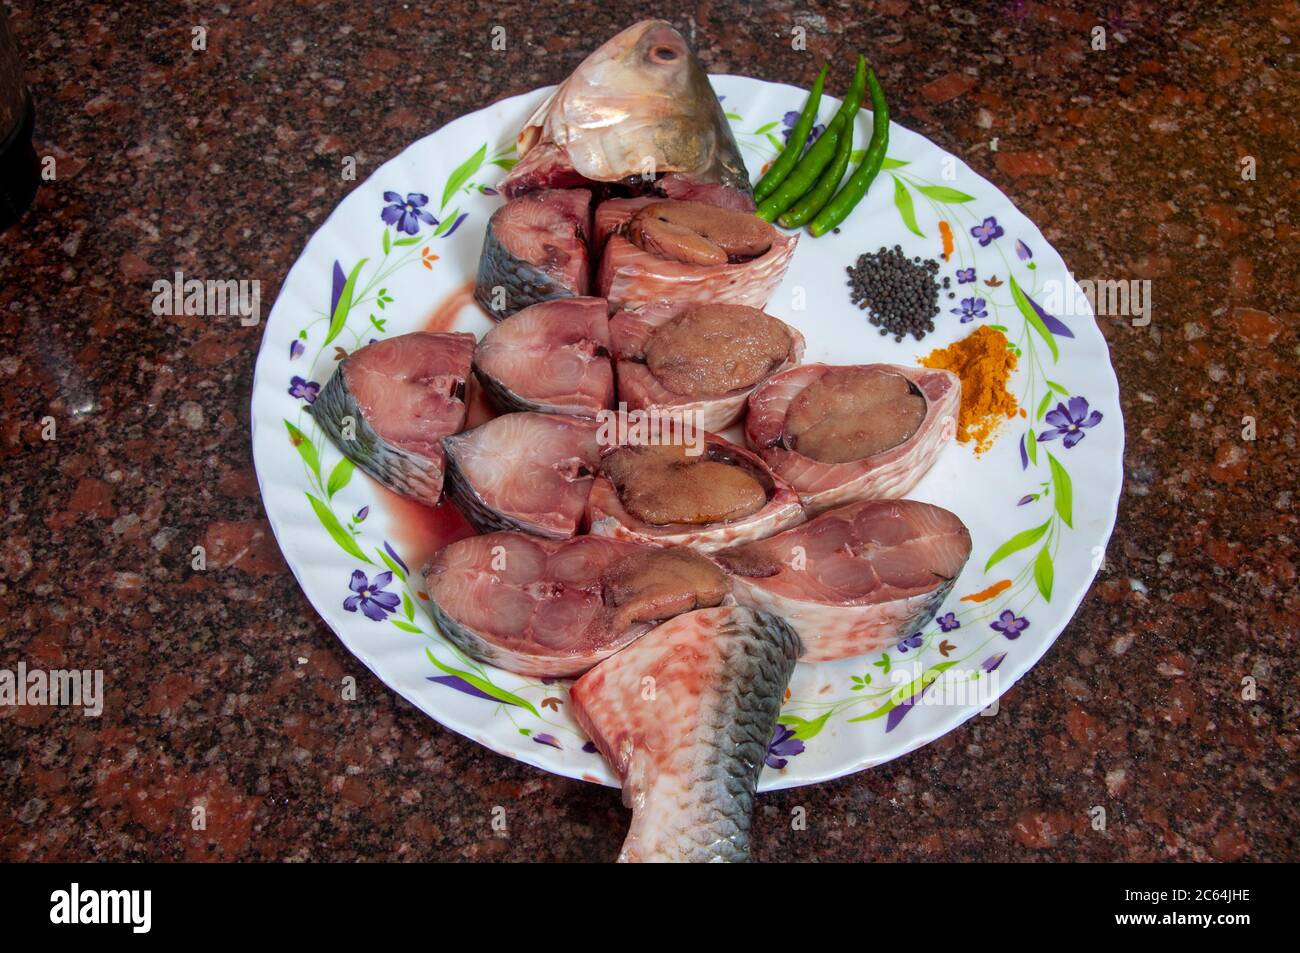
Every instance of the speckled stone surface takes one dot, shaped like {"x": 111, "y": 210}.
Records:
{"x": 222, "y": 163}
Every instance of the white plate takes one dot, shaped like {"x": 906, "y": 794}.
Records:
{"x": 840, "y": 717}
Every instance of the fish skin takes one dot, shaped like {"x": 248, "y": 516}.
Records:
{"x": 527, "y": 283}
{"x": 905, "y": 555}
{"x": 640, "y": 96}
{"x": 690, "y": 755}
{"x": 416, "y": 475}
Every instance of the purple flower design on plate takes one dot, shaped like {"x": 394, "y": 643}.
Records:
{"x": 1028, "y": 498}
{"x": 971, "y": 308}
{"x": 993, "y": 661}
{"x": 986, "y": 232}
{"x": 307, "y": 390}
{"x": 966, "y": 276}
{"x": 1022, "y": 251}
{"x": 589, "y": 747}
{"x": 1010, "y": 624}
{"x": 370, "y": 597}
{"x": 406, "y": 214}
{"x": 544, "y": 739}
{"x": 487, "y": 190}
{"x": 948, "y": 622}
{"x": 911, "y": 642}
{"x": 1068, "y": 422}
{"x": 396, "y": 558}
{"x": 787, "y": 123}
{"x": 361, "y": 514}
{"x": 458, "y": 683}
{"x": 296, "y": 349}
{"x": 784, "y": 745}
{"x": 455, "y": 225}
{"x": 1054, "y": 324}
{"x": 899, "y": 711}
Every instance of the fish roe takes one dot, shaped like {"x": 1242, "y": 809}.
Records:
{"x": 984, "y": 363}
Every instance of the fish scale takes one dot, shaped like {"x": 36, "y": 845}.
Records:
{"x": 690, "y": 756}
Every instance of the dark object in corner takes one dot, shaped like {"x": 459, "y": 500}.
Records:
{"x": 19, "y": 172}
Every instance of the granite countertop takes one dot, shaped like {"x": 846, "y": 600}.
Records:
{"x": 223, "y": 163}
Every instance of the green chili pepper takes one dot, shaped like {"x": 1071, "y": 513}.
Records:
{"x": 807, "y": 207}
{"x": 801, "y": 179}
{"x": 839, "y": 207}
{"x": 780, "y": 168}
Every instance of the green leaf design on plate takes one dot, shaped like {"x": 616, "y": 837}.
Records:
{"x": 483, "y": 685}
{"x": 1063, "y": 491}
{"x": 462, "y": 174}
{"x": 408, "y": 607}
{"x": 1044, "y": 404}
{"x": 336, "y": 530}
{"x": 408, "y": 241}
{"x": 1032, "y": 317}
{"x": 341, "y": 310}
{"x": 388, "y": 241}
{"x": 305, "y": 449}
{"x": 766, "y": 127}
{"x": 407, "y": 627}
{"x": 941, "y": 193}
{"x": 387, "y": 560}
{"x": 904, "y": 692}
{"x": 803, "y": 729}
{"x": 447, "y": 222}
{"x": 1031, "y": 447}
{"x": 903, "y": 201}
{"x": 506, "y": 164}
{"x": 1043, "y": 573}
{"x": 887, "y": 164}
{"x": 339, "y": 477}
{"x": 1057, "y": 387}
{"x": 777, "y": 144}
{"x": 880, "y": 712}
{"x": 1016, "y": 543}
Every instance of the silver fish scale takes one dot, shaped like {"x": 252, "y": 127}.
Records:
{"x": 759, "y": 656}
{"x": 409, "y": 474}
{"x": 464, "y": 638}
{"x": 524, "y": 284}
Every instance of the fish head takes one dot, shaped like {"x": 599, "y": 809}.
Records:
{"x": 640, "y": 105}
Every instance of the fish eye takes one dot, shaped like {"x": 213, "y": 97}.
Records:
{"x": 665, "y": 54}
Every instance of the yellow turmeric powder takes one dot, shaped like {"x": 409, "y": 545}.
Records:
{"x": 984, "y": 364}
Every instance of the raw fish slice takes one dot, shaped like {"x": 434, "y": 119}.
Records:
{"x": 389, "y": 405}
{"x": 684, "y": 716}
{"x": 640, "y": 103}
{"x": 535, "y": 249}
{"x": 612, "y": 214}
{"x": 687, "y": 188}
{"x": 553, "y": 609}
{"x": 631, "y": 333}
{"x": 529, "y": 472}
{"x": 630, "y": 277}
{"x": 551, "y": 357}
{"x": 854, "y": 580}
{"x": 613, "y": 511}
{"x": 887, "y": 474}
